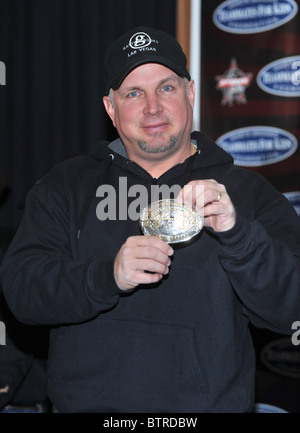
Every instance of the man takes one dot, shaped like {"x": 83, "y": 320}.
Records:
{"x": 139, "y": 325}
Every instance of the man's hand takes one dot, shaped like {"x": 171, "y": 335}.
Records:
{"x": 211, "y": 201}
{"x": 141, "y": 260}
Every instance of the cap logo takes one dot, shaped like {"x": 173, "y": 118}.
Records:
{"x": 139, "y": 40}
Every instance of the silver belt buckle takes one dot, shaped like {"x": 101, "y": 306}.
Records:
{"x": 170, "y": 221}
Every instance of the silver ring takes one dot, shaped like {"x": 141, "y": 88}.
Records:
{"x": 219, "y": 196}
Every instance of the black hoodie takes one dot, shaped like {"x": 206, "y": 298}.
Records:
{"x": 182, "y": 345}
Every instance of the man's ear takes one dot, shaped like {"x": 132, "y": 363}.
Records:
{"x": 109, "y": 108}
{"x": 191, "y": 92}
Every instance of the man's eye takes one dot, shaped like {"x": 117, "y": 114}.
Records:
{"x": 167, "y": 88}
{"x": 133, "y": 94}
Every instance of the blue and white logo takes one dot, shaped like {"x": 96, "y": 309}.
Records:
{"x": 258, "y": 145}
{"x": 281, "y": 77}
{"x": 294, "y": 199}
{"x": 253, "y": 16}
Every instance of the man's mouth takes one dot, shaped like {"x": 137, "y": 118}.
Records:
{"x": 155, "y": 128}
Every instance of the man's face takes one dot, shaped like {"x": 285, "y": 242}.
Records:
{"x": 152, "y": 112}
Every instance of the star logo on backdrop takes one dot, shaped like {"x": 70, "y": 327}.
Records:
{"x": 233, "y": 84}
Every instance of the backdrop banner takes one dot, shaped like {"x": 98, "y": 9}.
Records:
{"x": 250, "y": 86}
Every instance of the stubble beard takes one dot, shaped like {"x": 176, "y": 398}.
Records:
{"x": 157, "y": 147}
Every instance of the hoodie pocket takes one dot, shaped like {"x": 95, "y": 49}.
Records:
{"x": 132, "y": 366}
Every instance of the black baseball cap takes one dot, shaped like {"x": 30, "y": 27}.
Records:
{"x": 138, "y": 46}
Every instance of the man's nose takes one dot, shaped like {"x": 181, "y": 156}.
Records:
{"x": 153, "y": 104}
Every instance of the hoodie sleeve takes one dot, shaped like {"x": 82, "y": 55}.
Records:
{"x": 262, "y": 259}
{"x": 41, "y": 281}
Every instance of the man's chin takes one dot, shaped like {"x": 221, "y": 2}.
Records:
{"x": 157, "y": 144}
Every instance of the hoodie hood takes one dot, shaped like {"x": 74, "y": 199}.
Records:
{"x": 209, "y": 153}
